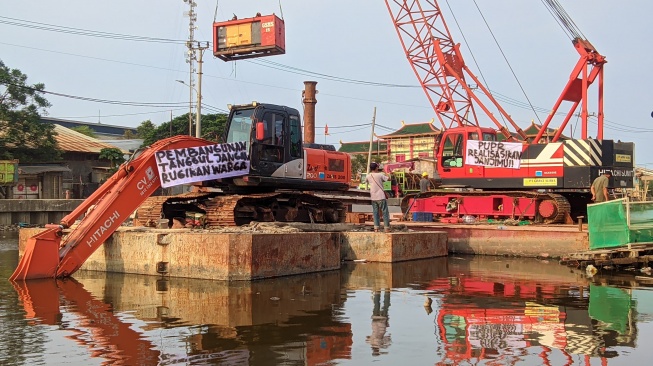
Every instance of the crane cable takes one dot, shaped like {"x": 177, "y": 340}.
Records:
{"x": 563, "y": 19}
{"x": 508, "y": 63}
{"x": 280, "y": 10}
{"x": 478, "y": 67}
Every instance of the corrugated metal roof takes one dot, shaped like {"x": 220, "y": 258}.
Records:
{"x": 71, "y": 140}
{"x": 38, "y": 169}
{"x": 98, "y": 128}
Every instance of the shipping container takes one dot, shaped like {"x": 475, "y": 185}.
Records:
{"x": 236, "y": 39}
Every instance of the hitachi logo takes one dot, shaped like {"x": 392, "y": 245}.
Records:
{"x": 106, "y": 226}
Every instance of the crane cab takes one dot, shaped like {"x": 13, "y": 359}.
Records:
{"x": 452, "y": 151}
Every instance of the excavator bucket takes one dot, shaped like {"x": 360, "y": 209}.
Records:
{"x": 41, "y": 256}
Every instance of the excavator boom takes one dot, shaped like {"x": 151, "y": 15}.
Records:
{"x": 47, "y": 256}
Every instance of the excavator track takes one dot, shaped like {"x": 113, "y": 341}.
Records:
{"x": 151, "y": 211}
{"x": 234, "y": 210}
{"x": 551, "y": 208}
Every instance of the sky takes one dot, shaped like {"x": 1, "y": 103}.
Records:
{"x": 351, "y": 41}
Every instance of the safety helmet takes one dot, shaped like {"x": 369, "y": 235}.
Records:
{"x": 425, "y": 174}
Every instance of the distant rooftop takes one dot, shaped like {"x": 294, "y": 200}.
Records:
{"x": 413, "y": 129}
{"x": 73, "y": 141}
{"x": 99, "y": 128}
{"x": 378, "y": 146}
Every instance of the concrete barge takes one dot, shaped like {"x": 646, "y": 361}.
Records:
{"x": 203, "y": 254}
{"x": 534, "y": 241}
{"x": 245, "y": 256}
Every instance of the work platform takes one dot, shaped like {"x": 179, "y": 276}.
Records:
{"x": 537, "y": 241}
{"x": 235, "y": 256}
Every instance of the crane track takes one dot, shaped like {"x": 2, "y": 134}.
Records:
{"x": 560, "y": 203}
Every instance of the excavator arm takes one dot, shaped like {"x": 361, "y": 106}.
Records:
{"x": 47, "y": 256}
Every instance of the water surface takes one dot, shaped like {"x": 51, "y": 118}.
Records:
{"x": 456, "y": 310}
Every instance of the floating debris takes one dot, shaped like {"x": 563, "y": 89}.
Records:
{"x": 591, "y": 270}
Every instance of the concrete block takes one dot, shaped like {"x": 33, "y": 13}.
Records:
{"x": 206, "y": 255}
{"x": 551, "y": 241}
{"x": 392, "y": 247}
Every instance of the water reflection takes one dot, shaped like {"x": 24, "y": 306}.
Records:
{"x": 379, "y": 340}
{"x": 262, "y": 322}
{"x": 456, "y": 310}
{"x": 501, "y": 310}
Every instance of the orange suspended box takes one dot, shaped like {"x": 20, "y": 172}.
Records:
{"x": 237, "y": 39}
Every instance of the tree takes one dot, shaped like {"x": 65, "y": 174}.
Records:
{"x": 22, "y": 135}
{"x": 212, "y": 128}
{"x": 145, "y": 129}
{"x": 85, "y": 130}
{"x": 114, "y": 155}
{"x": 359, "y": 163}
{"x": 178, "y": 126}
{"x": 129, "y": 134}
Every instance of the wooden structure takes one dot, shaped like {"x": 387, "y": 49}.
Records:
{"x": 615, "y": 258}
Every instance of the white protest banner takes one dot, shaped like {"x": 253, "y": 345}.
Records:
{"x": 196, "y": 164}
{"x": 494, "y": 154}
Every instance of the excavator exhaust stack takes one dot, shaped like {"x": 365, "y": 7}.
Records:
{"x": 41, "y": 256}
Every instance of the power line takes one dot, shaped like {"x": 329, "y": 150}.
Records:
{"x": 264, "y": 63}
{"x": 114, "y": 115}
{"x": 104, "y": 101}
{"x": 295, "y": 70}
{"x": 348, "y": 131}
{"x": 192, "y": 16}
{"x": 84, "y": 32}
{"x": 211, "y": 76}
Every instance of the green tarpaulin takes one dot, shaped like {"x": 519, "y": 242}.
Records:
{"x": 609, "y": 226}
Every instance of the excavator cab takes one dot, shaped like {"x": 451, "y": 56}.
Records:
{"x": 277, "y": 154}
{"x": 273, "y": 136}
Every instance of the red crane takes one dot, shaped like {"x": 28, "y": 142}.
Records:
{"x": 549, "y": 180}
{"x": 442, "y": 72}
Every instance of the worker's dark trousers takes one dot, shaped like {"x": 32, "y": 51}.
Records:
{"x": 381, "y": 205}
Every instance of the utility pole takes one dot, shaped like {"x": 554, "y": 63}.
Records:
{"x": 198, "y": 118}
{"x": 369, "y": 153}
{"x": 190, "y": 59}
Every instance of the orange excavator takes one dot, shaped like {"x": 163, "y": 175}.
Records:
{"x": 277, "y": 158}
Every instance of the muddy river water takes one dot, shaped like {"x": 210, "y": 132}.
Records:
{"x": 446, "y": 311}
